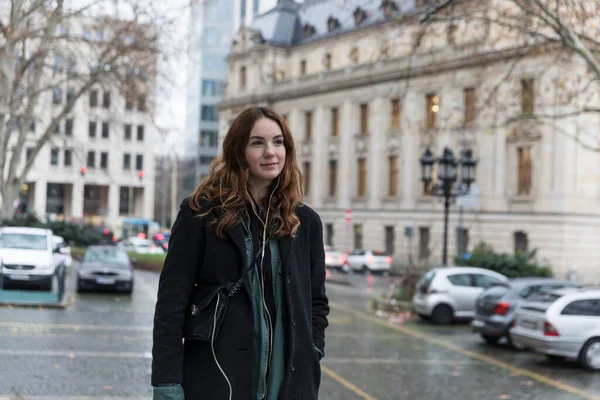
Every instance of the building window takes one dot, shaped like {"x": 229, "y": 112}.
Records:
{"x": 334, "y": 122}
{"x": 91, "y": 159}
{"x": 308, "y": 125}
{"x": 451, "y": 33}
{"x": 469, "y": 95}
{"x": 329, "y": 234}
{"x": 94, "y": 98}
{"x": 307, "y": 178}
{"x": 395, "y": 125}
{"x": 127, "y": 131}
{"x": 92, "y": 129}
{"x": 327, "y": 61}
{"x": 390, "y": 238}
{"x": 358, "y": 236}
{"x": 124, "y": 200}
{"x": 55, "y": 198}
{"x": 206, "y": 160}
{"x": 362, "y": 177}
{"x": 393, "y": 176}
{"x": 527, "y": 97}
{"x": 104, "y": 160}
{"x": 68, "y": 160}
{"x": 243, "y": 12}
{"x": 139, "y": 162}
{"x": 32, "y": 127}
{"x": 521, "y": 241}
{"x": 55, "y": 130}
{"x": 105, "y": 130}
{"x": 28, "y": 152}
{"x": 70, "y": 94}
{"x": 106, "y": 100}
{"x": 69, "y": 127}
{"x": 333, "y": 178}
{"x": 58, "y": 64}
{"x": 54, "y": 156}
{"x": 462, "y": 241}
{"x": 140, "y": 133}
{"x": 243, "y": 77}
{"x": 303, "y": 67}
{"x": 71, "y": 66}
{"x": 209, "y": 113}
{"x": 212, "y": 87}
{"x": 126, "y": 161}
{"x": 364, "y": 119}
{"x": 524, "y": 170}
{"x": 208, "y": 139}
{"x": 424, "y": 237}
{"x": 433, "y": 106}
{"x": 255, "y": 7}
{"x": 57, "y": 95}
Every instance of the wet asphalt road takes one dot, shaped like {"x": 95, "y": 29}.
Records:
{"x": 99, "y": 348}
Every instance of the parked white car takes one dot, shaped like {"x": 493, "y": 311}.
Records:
{"x": 63, "y": 250}
{"x": 562, "y": 324}
{"x": 140, "y": 246}
{"x": 335, "y": 260}
{"x": 28, "y": 257}
{"x": 369, "y": 261}
{"x": 448, "y": 293}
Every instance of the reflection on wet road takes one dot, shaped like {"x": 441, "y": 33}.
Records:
{"x": 99, "y": 348}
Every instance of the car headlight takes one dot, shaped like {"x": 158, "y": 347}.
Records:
{"x": 46, "y": 267}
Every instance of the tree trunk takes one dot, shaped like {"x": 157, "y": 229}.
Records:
{"x": 10, "y": 192}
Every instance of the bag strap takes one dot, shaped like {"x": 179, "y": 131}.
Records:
{"x": 235, "y": 288}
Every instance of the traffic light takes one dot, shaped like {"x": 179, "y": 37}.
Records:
{"x": 141, "y": 175}
{"x": 83, "y": 170}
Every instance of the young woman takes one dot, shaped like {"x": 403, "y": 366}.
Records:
{"x": 246, "y": 216}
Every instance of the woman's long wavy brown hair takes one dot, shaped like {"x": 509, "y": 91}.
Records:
{"x": 226, "y": 187}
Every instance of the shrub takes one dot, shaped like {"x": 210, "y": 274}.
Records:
{"x": 519, "y": 264}
{"x": 76, "y": 235}
{"x": 148, "y": 262}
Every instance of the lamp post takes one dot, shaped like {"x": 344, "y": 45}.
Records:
{"x": 446, "y": 185}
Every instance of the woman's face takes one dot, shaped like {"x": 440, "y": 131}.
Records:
{"x": 265, "y": 152}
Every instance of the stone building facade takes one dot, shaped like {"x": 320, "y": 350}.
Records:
{"x": 364, "y": 101}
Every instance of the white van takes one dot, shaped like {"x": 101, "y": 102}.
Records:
{"x": 28, "y": 257}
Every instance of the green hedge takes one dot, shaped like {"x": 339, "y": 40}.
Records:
{"x": 148, "y": 262}
{"x": 517, "y": 265}
{"x": 76, "y": 235}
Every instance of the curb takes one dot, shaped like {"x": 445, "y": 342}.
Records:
{"x": 338, "y": 282}
{"x": 67, "y": 300}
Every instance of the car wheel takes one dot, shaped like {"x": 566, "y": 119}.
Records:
{"x": 490, "y": 339}
{"x": 442, "y": 314}
{"x": 590, "y": 355}
{"x": 366, "y": 270}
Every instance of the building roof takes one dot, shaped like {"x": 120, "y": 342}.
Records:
{"x": 290, "y": 23}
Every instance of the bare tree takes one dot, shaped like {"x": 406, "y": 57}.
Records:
{"x": 563, "y": 34}
{"x": 53, "y": 55}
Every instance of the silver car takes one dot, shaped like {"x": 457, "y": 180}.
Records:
{"x": 448, "y": 293}
{"x": 562, "y": 324}
{"x": 496, "y": 307}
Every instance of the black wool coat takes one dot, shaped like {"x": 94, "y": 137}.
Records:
{"x": 197, "y": 254}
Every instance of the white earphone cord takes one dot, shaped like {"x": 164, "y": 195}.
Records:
{"x": 262, "y": 256}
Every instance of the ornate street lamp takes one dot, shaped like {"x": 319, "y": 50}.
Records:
{"x": 446, "y": 185}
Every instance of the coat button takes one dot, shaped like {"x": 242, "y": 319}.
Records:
{"x": 293, "y": 368}
{"x": 294, "y": 323}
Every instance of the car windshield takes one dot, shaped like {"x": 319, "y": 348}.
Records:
{"x": 108, "y": 256}
{"x": 23, "y": 241}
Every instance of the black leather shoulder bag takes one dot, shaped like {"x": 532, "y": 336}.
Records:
{"x": 208, "y": 305}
